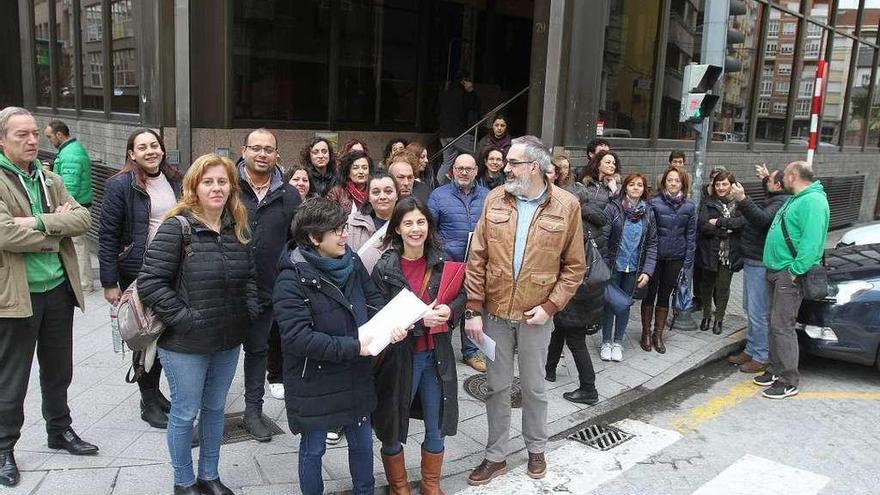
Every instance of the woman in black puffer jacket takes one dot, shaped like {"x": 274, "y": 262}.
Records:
{"x": 582, "y": 311}
{"x": 601, "y": 180}
{"x": 203, "y": 287}
{"x": 718, "y": 249}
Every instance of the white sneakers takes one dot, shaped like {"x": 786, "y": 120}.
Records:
{"x": 277, "y": 390}
{"x": 611, "y": 352}
{"x": 616, "y": 352}
{"x": 605, "y": 352}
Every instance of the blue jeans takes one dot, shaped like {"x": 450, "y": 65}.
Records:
{"x": 755, "y": 305}
{"x": 425, "y": 382}
{"x": 312, "y": 445}
{"x": 612, "y": 329}
{"x": 199, "y": 383}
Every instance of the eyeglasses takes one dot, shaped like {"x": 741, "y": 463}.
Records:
{"x": 339, "y": 230}
{"x": 259, "y": 149}
{"x": 515, "y": 163}
{"x": 465, "y": 170}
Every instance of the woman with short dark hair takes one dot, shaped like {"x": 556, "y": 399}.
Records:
{"x": 322, "y": 295}
{"x": 423, "y": 364}
{"x": 491, "y": 163}
{"x": 319, "y": 158}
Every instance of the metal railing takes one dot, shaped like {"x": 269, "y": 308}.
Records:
{"x": 476, "y": 127}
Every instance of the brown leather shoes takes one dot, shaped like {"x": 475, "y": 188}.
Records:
{"x": 537, "y": 466}
{"x": 751, "y": 366}
{"x": 487, "y": 470}
{"x": 741, "y": 358}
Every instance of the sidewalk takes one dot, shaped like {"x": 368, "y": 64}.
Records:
{"x": 134, "y": 460}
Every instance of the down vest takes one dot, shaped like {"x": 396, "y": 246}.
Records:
{"x": 211, "y": 306}
{"x": 614, "y": 233}
{"x": 676, "y": 229}
{"x": 456, "y": 215}
{"x": 394, "y": 374}
{"x": 327, "y": 382}
{"x": 125, "y": 221}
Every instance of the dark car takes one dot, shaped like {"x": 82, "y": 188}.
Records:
{"x": 846, "y": 325}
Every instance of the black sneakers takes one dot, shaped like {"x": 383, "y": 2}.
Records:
{"x": 765, "y": 380}
{"x": 780, "y": 390}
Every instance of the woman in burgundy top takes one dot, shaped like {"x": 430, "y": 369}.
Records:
{"x": 416, "y": 377}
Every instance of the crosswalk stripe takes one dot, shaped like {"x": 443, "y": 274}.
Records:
{"x": 576, "y": 468}
{"x": 752, "y": 475}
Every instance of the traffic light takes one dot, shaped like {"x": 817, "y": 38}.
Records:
{"x": 697, "y": 100}
{"x": 734, "y": 37}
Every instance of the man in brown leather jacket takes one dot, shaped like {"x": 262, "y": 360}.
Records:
{"x": 525, "y": 262}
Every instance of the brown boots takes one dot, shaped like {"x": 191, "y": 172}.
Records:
{"x": 660, "y": 315}
{"x": 431, "y": 466}
{"x": 395, "y": 471}
{"x": 645, "y": 341}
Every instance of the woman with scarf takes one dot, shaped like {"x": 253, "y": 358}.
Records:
{"x": 499, "y": 138}
{"x": 718, "y": 249}
{"x": 676, "y": 218}
{"x": 416, "y": 377}
{"x": 491, "y": 174}
{"x": 354, "y": 172}
{"x": 631, "y": 254}
{"x": 322, "y": 295}
{"x": 582, "y": 311}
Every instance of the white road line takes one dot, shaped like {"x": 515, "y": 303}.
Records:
{"x": 752, "y": 475}
{"x": 576, "y": 468}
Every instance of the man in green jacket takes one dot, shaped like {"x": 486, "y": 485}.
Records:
{"x": 805, "y": 215}
{"x": 73, "y": 165}
{"x": 39, "y": 286}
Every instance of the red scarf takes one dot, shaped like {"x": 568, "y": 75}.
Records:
{"x": 357, "y": 195}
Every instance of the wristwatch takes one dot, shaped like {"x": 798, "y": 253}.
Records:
{"x": 469, "y": 313}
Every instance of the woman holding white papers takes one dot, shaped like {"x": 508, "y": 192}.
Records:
{"x": 416, "y": 377}
{"x": 322, "y": 295}
{"x": 366, "y": 226}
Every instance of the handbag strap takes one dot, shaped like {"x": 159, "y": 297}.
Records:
{"x": 786, "y": 236}
{"x": 426, "y": 280}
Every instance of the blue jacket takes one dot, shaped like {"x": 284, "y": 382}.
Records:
{"x": 676, "y": 229}
{"x": 269, "y": 221}
{"x": 125, "y": 223}
{"x": 613, "y": 231}
{"x": 456, "y": 214}
{"x": 327, "y": 382}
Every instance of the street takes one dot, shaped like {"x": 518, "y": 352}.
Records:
{"x": 711, "y": 432}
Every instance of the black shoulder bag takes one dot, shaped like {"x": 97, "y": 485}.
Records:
{"x": 815, "y": 282}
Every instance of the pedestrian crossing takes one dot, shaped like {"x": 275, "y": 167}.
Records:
{"x": 578, "y": 469}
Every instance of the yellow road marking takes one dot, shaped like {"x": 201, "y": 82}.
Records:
{"x": 715, "y": 407}
{"x": 838, "y": 395}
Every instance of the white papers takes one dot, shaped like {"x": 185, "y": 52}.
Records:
{"x": 402, "y": 311}
{"x": 488, "y": 347}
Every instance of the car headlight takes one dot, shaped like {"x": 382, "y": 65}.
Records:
{"x": 819, "y": 333}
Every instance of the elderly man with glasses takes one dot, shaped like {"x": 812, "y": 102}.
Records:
{"x": 456, "y": 208}
{"x": 526, "y": 261}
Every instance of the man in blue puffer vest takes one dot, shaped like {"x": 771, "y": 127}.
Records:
{"x": 456, "y": 208}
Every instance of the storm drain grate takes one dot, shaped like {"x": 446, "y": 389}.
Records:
{"x": 478, "y": 388}
{"x": 234, "y": 431}
{"x": 600, "y": 437}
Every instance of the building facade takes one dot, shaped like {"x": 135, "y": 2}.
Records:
{"x": 204, "y": 72}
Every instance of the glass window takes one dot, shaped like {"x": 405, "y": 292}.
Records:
{"x": 763, "y": 106}
{"x": 92, "y": 54}
{"x": 802, "y": 111}
{"x": 783, "y": 69}
{"x": 770, "y": 127}
{"x": 767, "y": 81}
{"x": 780, "y": 107}
{"x": 835, "y": 89}
{"x": 789, "y": 28}
{"x": 814, "y": 30}
{"x": 782, "y": 87}
{"x": 773, "y": 28}
{"x": 806, "y": 90}
{"x": 124, "y": 59}
{"x": 786, "y": 48}
{"x": 357, "y": 62}
{"x": 64, "y": 65}
{"x": 735, "y": 114}
{"x": 41, "y": 53}
{"x": 858, "y": 102}
{"x": 811, "y": 49}
{"x": 280, "y": 57}
{"x": 628, "y": 69}
{"x": 770, "y": 49}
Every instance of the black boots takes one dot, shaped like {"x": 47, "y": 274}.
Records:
{"x": 705, "y": 323}
{"x": 254, "y": 424}
{"x": 187, "y": 490}
{"x": 717, "y": 328}
{"x": 213, "y": 487}
{"x": 151, "y": 409}
{"x": 9, "y": 475}
{"x": 583, "y": 395}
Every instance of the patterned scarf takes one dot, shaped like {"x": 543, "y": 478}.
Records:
{"x": 676, "y": 200}
{"x": 727, "y": 206}
{"x": 633, "y": 212}
{"x": 357, "y": 195}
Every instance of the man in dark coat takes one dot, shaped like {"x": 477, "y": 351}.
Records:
{"x": 457, "y": 105}
{"x": 271, "y": 205}
{"x": 755, "y": 302}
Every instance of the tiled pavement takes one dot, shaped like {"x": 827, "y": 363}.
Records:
{"x": 134, "y": 459}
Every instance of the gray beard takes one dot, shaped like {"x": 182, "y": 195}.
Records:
{"x": 518, "y": 186}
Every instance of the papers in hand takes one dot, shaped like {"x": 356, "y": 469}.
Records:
{"x": 488, "y": 347}
{"x": 402, "y": 311}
